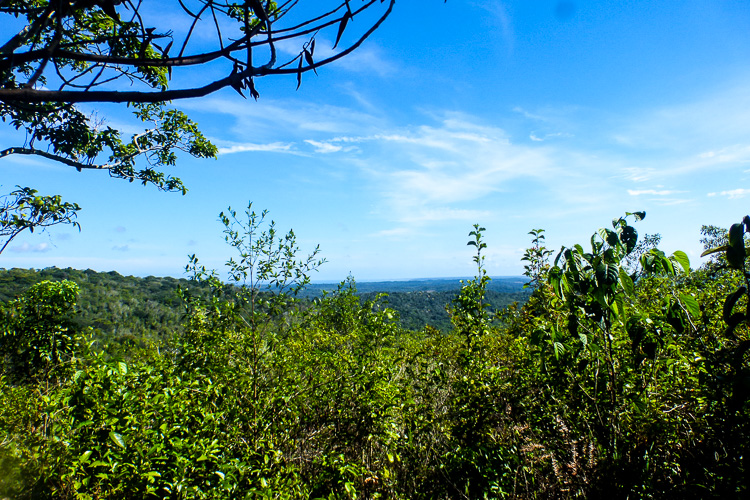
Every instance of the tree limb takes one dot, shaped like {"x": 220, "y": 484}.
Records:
{"x": 51, "y": 156}
{"x": 12, "y": 95}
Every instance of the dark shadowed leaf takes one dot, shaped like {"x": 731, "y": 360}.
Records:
{"x": 731, "y": 301}
{"x": 299, "y": 73}
{"x": 342, "y": 26}
{"x": 736, "y": 250}
{"x": 309, "y": 59}
{"x": 258, "y": 10}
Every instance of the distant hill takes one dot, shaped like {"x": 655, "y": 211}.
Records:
{"x": 502, "y": 284}
{"x": 131, "y": 309}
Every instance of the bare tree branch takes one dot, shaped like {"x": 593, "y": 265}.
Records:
{"x": 131, "y": 52}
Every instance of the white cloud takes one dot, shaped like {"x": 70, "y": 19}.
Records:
{"x": 713, "y": 128}
{"x": 276, "y": 147}
{"x": 529, "y": 115}
{"x": 634, "y": 192}
{"x": 368, "y": 59}
{"x": 639, "y": 174}
{"x": 733, "y": 193}
{"x": 324, "y": 147}
{"x": 269, "y": 121}
{"x": 27, "y": 248}
{"x": 534, "y": 137}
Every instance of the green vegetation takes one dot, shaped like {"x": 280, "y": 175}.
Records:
{"x": 618, "y": 377}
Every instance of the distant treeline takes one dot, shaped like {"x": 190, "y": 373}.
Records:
{"x": 128, "y": 309}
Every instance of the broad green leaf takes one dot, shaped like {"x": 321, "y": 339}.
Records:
{"x": 122, "y": 368}
{"x": 117, "y": 439}
{"x": 691, "y": 305}
{"x": 619, "y": 307}
{"x": 682, "y": 259}
{"x": 627, "y": 283}
{"x": 714, "y": 250}
{"x": 559, "y": 349}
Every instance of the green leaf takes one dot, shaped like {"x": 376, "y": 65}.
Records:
{"x": 559, "y": 349}
{"x": 714, "y": 250}
{"x": 627, "y": 283}
{"x": 122, "y": 368}
{"x": 691, "y": 305}
{"x": 682, "y": 259}
{"x": 117, "y": 439}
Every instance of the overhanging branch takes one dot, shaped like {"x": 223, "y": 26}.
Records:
{"x": 51, "y": 156}
{"x": 240, "y": 77}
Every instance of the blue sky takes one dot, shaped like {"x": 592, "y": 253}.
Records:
{"x": 512, "y": 114}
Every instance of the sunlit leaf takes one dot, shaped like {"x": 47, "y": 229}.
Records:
{"x": 714, "y": 250}
{"x": 682, "y": 259}
{"x": 117, "y": 439}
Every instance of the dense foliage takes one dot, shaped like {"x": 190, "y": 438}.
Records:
{"x": 613, "y": 380}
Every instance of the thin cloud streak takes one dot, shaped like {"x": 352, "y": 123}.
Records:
{"x": 733, "y": 193}
{"x": 276, "y": 147}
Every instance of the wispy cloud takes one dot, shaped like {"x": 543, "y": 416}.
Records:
{"x": 324, "y": 147}
{"x": 457, "y": 167}
{"x": 713, "y": 128}
{"x": 529, "y": 115}
{"x": 27, "y": 248}
{"x": 368, "y": 59}
{"x": 733, "y": 193}
{"x": 543, "y": 137}
{"x": 275, "y": 147}
{"x": 269, "y": 121}
{"x": 654, "y": 192}
{"x": 501, "y": 18}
